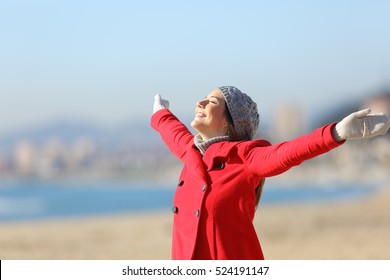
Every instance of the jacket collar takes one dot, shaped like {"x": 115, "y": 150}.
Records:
{"x": 223, "y": 152}
{"x": 216, "y": 153}
{"x": 220, "y": 152}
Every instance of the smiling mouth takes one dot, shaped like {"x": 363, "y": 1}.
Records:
{"x": 200, "y": 115}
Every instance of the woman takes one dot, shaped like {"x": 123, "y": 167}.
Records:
{"x": 224, "y": 169}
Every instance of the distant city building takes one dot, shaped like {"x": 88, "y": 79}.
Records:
{"x": 290, "y": 122}
{"x": 25, "y": 157}
{"x": 125, "y": 157}
{"x": 3, "y": 163}
{"x": 378, "y": 103}
{"x": 82, "y": 150}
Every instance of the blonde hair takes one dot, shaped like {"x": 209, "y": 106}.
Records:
{"x": 259, "y": 192}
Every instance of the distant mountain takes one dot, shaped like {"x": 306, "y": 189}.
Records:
{"x": 337, "y": 113}
{"x": 378, "y": 101}
{"x": 137, "y": 133}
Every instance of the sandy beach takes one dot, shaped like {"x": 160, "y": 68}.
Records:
{"x": 358, "y": 229}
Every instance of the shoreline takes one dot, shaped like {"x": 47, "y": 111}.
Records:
{"x": 354, "y": 229}
{"x": 313, "y": 171}
{"x": 107, "y": 201}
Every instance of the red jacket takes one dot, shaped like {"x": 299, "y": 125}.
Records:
{"x": 214, "y": 203}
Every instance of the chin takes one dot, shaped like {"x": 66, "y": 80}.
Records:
{"x": 196, "y": 124}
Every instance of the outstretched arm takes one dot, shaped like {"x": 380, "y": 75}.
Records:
{"x": 273, "y": 160}
{"x": 174, "y": 133}
{"x": 267, "y": 161}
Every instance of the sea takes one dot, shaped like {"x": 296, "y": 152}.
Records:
{"x": 26, "y": 200}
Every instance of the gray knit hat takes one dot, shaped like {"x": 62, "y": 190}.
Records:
{"x": 243, "y": 111}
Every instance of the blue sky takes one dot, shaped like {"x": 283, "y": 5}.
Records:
{"x": 103, "y": 61}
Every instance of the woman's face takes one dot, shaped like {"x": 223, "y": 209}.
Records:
{"x": 210, "y": 117}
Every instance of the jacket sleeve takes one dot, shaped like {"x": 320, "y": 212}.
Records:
{"x": 174, "y": 133}
{"x": 273, "y": 160}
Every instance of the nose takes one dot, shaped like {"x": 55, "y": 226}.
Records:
{"x": 202, "y": 103}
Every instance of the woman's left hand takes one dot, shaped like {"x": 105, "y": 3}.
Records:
{"x": 361, "y": 124}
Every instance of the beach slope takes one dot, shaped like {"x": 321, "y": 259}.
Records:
{"x": 357, "y": 229}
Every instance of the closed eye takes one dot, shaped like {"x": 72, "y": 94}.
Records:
{"x": 210, "y": 100}
{"x": 213, "y": 100}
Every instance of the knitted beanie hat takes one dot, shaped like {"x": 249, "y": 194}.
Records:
{"x": 243, "y": 111}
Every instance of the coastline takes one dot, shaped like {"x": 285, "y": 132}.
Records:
{"x": 353, "y": 229}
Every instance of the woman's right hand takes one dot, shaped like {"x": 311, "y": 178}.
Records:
{"x": 159, "y": 103}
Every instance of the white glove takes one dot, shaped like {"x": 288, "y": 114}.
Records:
{"x": 159, "y": 103}
{"x": 361, "y": 124}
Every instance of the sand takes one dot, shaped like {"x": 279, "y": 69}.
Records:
{"x": 358, "y": 229}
